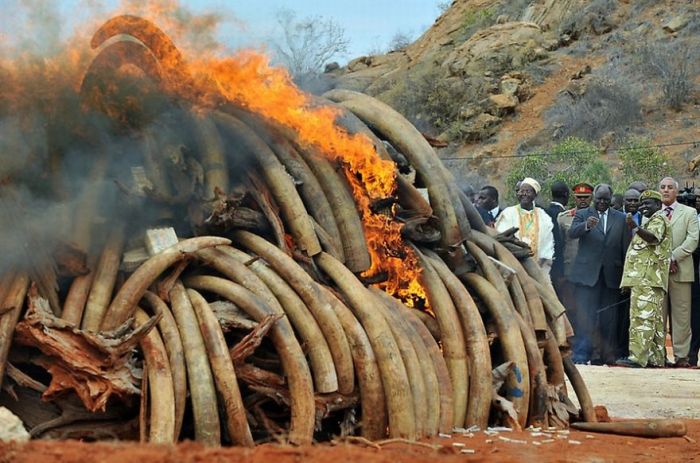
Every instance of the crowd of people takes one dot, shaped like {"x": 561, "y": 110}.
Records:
{"x": 625, "y": 265}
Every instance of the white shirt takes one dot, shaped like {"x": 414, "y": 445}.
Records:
{"x": 510, "y": 218}
{"x": 494, "y": 211}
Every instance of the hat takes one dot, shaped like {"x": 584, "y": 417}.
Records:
{"x": 650, "y": 194}
{"x": 582, "y": 189}
{"x": 533, "y": 183}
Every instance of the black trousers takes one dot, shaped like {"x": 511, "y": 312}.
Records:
{"x": 597, "y": 322}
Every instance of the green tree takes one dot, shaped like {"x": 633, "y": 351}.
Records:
{"x": 571, "y": 161}
{"x": 640, "y": 160}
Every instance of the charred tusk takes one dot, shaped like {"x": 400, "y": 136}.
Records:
{"x": 13, "y": 301}
{"x": 222, "y": 369}
{"x": 124, "y": 303}
{"x": 278, "y": 181}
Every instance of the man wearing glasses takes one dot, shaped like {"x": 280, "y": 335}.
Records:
{"x": 602, "y": 241}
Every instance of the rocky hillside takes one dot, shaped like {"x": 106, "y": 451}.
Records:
{"x": 492, "y": 79}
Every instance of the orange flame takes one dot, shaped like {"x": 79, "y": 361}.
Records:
{"x": 248, "y": 80}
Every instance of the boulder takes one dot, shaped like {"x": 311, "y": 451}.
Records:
{"x": 11, "y": 427}
{"x": 509, "y": 86}
{"x": 677, "y": 23}
{"x": 481, "y": 127}
{"x": 502, "y": 103}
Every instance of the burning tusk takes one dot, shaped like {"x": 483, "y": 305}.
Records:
{"x": 124, "y": 303}
{"x": 395, "y": 128}
{"x": 287, "y": 346}
{"x": 149, "y": 34}
{"x": 278, "y": 181}
{"x": 342, "y": 204}
{"x": 160, "y": 385}
{"x": 211, "y": 155}
{"x": 222, "y": 369}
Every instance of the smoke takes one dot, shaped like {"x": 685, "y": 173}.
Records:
{"x": 72, "y": 159}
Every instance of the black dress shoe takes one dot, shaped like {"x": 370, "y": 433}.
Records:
{"x": 627, "y": 363}
{"x": 682, "y": 363}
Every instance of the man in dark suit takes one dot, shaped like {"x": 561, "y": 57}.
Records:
{"x": 560, "y": 200}
{"x": 487, "y": 204}
{"x": 597, "y": 271}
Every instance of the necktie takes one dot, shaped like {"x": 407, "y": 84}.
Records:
{"x": 603, "y": 216}
{"x": 669, "y": 212}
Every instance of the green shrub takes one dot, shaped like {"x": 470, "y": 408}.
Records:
{"x": 572, "y": 161}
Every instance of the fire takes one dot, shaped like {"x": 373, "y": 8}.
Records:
{"x": 248, "y": 80}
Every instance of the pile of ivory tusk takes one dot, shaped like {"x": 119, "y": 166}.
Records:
{"x": 271, "y": 333}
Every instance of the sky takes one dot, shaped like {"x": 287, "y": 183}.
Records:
{"x": 369, "y": 24}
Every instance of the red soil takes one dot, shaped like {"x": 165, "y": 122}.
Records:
{"x": 590, "y": 448}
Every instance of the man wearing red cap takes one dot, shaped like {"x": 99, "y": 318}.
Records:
{"x": 583, "y": 193}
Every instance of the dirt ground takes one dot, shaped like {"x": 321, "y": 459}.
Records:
{"x": 627, "y": 393}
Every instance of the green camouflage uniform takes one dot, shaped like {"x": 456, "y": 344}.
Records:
{"x": 646, "y": 273}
